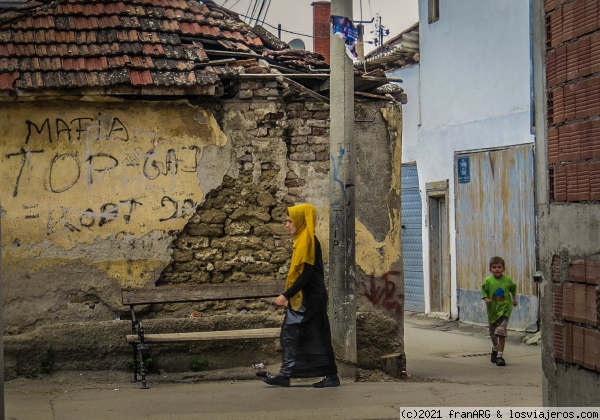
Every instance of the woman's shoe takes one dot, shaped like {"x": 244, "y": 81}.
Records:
{"x": 328, "y": 382}
{"x": 277, "y": 381}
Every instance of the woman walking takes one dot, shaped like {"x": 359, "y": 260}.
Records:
{"x": 305, "y": 333}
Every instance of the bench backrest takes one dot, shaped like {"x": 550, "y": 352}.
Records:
{"x": 203, "y": 292}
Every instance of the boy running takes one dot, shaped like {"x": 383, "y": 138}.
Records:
{"x": 495, "y": 292}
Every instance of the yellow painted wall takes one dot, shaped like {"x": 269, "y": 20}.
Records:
{"x": 77, "y": 173}
{"x": 374, "y": 257}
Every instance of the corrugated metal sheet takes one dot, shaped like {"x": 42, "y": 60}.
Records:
{"x": 400, "y": 50}
{"x": 495, "y": 216}
{"x": 412, "y": 243}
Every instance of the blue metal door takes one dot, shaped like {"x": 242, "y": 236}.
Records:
{"x": 412, "y": 242}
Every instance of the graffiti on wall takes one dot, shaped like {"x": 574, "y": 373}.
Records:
{"x": 382, "y": 292}
{"x": 74, "y": 174}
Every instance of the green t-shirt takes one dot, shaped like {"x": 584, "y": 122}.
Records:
{"x": 498, "y": 291}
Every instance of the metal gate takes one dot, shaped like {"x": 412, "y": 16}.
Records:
{"x": 495, "y": 216}
{"x": 412, "y": 242}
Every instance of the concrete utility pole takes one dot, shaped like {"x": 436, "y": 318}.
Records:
{"x": 342, "y": 274}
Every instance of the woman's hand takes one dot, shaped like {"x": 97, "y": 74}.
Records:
{"x": 281, "y": 301}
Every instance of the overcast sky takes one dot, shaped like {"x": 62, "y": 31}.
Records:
{"x": 296, "y": 16}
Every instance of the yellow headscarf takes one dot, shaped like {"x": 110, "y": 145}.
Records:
{"x": 304, "y": 217}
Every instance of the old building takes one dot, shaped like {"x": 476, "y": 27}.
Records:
{"x": 567, "y": 50}
{"x": 159, "y": 142}
{"x": 467, "y": 160}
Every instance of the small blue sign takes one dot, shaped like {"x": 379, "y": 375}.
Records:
{"x": 463, "y": 166}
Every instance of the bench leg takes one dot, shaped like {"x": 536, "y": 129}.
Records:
{"x": 135, "y": 361}
{"x": 140, "y": 348}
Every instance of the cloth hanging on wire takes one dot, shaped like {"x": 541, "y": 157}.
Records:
{"x": 344, "y": 27}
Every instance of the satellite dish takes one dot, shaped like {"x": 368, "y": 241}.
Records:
{"x": 297, "y": 44}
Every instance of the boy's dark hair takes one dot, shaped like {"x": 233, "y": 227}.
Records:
{"x": 497, "y": 260}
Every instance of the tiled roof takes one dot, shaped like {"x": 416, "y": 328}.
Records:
{"x": 51, "y": 45}
{"x": 401, "y": 50}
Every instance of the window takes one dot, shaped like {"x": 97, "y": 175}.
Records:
{"x": 434, "y": 10}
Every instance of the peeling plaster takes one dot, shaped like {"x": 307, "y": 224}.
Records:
{"x": 104, "y": 183}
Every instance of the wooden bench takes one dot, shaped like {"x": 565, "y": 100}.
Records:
{"x": 201, "y": 293}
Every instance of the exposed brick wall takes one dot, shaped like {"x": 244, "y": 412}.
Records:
{"x": 321, "y": 28}
{"x": 559, "y": 341}
{"x": 576, "y": 312}
{"x": 573, "y": 83}
{"x": 557, "y": 305}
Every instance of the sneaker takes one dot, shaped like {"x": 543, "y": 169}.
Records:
{"x": 277, "y": 381}
{"x": 494, "y": 355}
{"x": 328, "y": 382}
{"x": 500, "y": 361}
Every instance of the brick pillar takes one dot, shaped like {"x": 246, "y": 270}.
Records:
{"x": 321, "y": 28}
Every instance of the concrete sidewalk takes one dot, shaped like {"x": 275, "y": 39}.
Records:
{"x": 448, "y": 362}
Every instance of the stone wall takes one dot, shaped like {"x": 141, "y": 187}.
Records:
{"x": 197, "y": 193}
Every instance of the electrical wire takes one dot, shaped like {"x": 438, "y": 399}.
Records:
{"x": 289, "y": 32}
{"x": 262, "y": 6}
{"x": 266, "y": 11}
{"x": 253, "y": 11}
{"x": 248, "y": 11}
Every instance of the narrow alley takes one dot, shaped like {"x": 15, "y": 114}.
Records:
{"x": 448, "y": 363}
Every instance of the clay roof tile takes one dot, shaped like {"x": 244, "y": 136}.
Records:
{"x": 39, "y": 37}
{"x": 92, "y": 79}
{"x": 81, "y": 79}
{"x": 23, "y": 82}
{"x": 24, "y": 64}
{"x": 37, "y": 81}
{"x": 10, "y": 36}
{"x": 90, "y": 38}
{"x": 40, "y": 50}
{"x": 140, "y": 78}
{"x": 79, "y": 43}
{"x": 68, "y": 64}
{"x": 9, "y": 64}
{"x": 52, "y": 50}
{"x": 7, "y": 80}
{"x": 56, "y": 63}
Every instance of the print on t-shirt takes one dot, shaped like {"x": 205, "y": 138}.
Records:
{"x": 499, "y": 295}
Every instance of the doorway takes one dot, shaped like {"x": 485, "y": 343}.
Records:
{"x": 439, "y": 249}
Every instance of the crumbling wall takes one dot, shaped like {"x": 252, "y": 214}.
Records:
{"x": 568, "y": 194}
{"x": 103, "y": 195}
{"x": 570, "y": 260}
{"x": 92, "y": 194}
